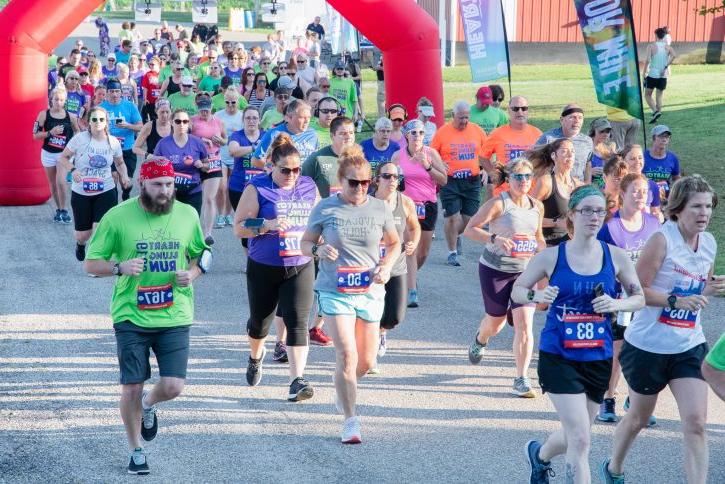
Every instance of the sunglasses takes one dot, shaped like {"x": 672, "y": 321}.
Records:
{"x": 291, "y": 73}
{"x": 299, "y": 61}
{"x": 215, "y": 67}
{"x": 181, "y": 121}
{"x": 261, "y": 81}
{"x": 287, "y": 171}
{"x": 389, "y": 176}
{"x": 187, "y": 85}
{"x": 519, "y": 177}
{"x": 111, "y": 60}
{"x": 398, "y": 120}
{"x": 328, "y": 111}
{"x": 358, "y": 183}
{"x": 231, "y": 103}
{"x": 251, "y": 74}
{"x": 98, "y": 120}
{"x": 265, "y": 63}
{"x": 282, "y": 97}
{"x": 178, "y": 69}
{"x": 325, "y": 86}
{"x": 417, "y": 133}
{"x": 516, "y": 109}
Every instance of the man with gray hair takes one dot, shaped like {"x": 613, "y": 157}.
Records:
{"x": 379, "y": 148}
{"x": 460, "y": 145}
{"x": 572, "y": 120}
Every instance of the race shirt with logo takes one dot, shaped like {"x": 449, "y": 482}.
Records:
{"x": 93, "y": 160}
{"x": 322, "y": 166}
{"x": 460, "y": 149}
{"x": 125, "y": 112}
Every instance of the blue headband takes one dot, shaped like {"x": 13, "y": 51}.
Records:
{"x": 583, "y": 192}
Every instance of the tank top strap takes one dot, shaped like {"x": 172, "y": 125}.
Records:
{"x": 607, "y": 262}
{"x": 561, "y": 263}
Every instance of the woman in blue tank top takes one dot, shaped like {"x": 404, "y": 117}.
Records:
{"x": 575, "y": 348}
{"x": 277, "y": 272}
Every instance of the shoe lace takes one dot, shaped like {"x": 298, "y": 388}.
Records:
{"x": 138, "y": 456}
{"x": 350, "y": 426}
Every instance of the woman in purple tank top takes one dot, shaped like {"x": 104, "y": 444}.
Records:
{"x": 629, "y": 229}
{"x": 273, "y": 213}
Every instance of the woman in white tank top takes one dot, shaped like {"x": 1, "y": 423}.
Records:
{"x": 664, "y": 343}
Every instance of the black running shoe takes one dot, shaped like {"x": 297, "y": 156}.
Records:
{"x": 149, "y": 421}
{"x": 300, "y": 390}
{"x": 209, "y": 240}
{"x": 540, "y": 470}
{"x": 254, "y": 370}
{"x": 138, "y": 465}
{"x": 655, "y": 116}
{"x": 80, "y": 252}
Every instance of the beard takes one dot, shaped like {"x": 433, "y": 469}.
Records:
{"x": 160, "y": 205}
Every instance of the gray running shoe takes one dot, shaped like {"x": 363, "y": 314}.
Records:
{"x": 607, "y": 476}
{"x": 522, "y": 387}
{"x": 254, "y": 369}
{"x": 476, "y": 351}
{"x": 149, "y": 421}
{"x": 453, "y": 260}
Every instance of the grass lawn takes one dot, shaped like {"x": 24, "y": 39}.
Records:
{"x": 694, "y": 108}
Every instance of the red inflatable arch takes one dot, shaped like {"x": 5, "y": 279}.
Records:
{"x": 30, "y": 29}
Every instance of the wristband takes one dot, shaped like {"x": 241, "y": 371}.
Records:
{"x": 493, "y": 238}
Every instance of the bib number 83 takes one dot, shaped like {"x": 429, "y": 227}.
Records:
{"x": 585, "y": 331}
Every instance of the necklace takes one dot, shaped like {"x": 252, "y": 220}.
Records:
{"x": 148, "y": 221}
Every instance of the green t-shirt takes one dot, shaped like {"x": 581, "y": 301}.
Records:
{"x": 209, "y": 84}
{"x": 165, "y": 241}
{"x": 322, "y": 166}
{"x": 52, "y": 62}
{"x": 218, "y": 103}
{"x": 323, "y": 134}
{"x": 165, "y": 73}
{"x": 271, "y": 118}
{"x": 489, "y": 119}
{"x": 202, "y": 70}
{"x": 344, "y": 91}
{"x": 187, "y": 103}
{"x": 716, "y": 356}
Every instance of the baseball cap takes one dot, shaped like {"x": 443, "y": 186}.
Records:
{"x": 340, "y": 64}
{"x": 601, "y": 124}
{"x": 427, "y": 111}
{"x": 485, "y": 95}
{"x": 397, "y": 113}
{"x": 81, "y": 69}
{"x": 660, "y": 129}
{"x": 204, "y": 103}
{"x": 285, "y": 82}
{"x": 111, "y": 56}
{"x": 187, "y": 81}
{"x": 113, "y": 83}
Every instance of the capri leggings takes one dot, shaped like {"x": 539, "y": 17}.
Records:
{"x": 396, "y": 300}
{"x": 291, "y": 287}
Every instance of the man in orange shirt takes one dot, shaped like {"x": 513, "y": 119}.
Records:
{"x": 512, "y": 140}
{"x": 460, "y": 145}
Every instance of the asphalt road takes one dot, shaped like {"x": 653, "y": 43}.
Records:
{"x": 429, "y": 417}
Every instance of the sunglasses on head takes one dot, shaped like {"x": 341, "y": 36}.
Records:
{"x": 358, "y": 183}
{"x": 516, "y": 109}
{"x": 521, "y": 176}
{"x": 389, "y": 176}
{"x": 287, "y": 171}
{"x": 181, "y": 121}
{"x": 98, "y": 120}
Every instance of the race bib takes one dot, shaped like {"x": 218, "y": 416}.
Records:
{"x": 154, "y": 297}
{"x": 120, "y": 140}
{"x": 93, "y": 185}
{"x": 183, "y": 179}
{"x": 584, "y": 331}
{"x": 215, "y": 163}
{"x": 57, "y": 141}
{"x": 249, "y": 174}
{"x": 420, "y": 210}
{"x": 513, "y": 154}
{"x": 679, "y": 318}
{"x": 353, "y": 280}
{"x": 289, "y": 243}
{"x": 524, "y": 246}
{"x": 462, "y": 174}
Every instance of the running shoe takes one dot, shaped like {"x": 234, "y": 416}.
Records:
{"x": 351, "y": 431}
{"x": 652, "y": 419}
{"x": 655, "y": 116}
{"x": 80, "y": 252}
{"x": 57, "y": 218}
{"x": 64, "y": 217}
{"x": 319, "y": 338}
{"x": 149, "y": 421}
{"x": 219, "y": 222}
{"x": 254, "y": 369}
{"x": 300, "y": 390}
{"x": 209, "y": 240}
{"x": 229, "y": 220}
{"x": 522, "y": 387}
{"x": 476, "y": 351}
{"x": 607, "y": 411}
{"x": 453, "y": 260}
{"x": 413, "y": 298}
{"x": 540, "y": 470}
{"x": 383, "y": 346}
{"x": 138, "y": 465}
{"x": 375, "y": 370}
{"x": 280, "y": 352}
{"x": 459, "y": 246}
{"x": 607, "y": 476}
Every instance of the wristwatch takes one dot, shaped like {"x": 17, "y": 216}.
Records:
{"x": 314, "y": 250}
{"x": 530, "y": 295}
{"x": 671, "y": 301}
{"x": 117, "y": 269}
{"x": 493, "y": 238}
{"x": 430, "y": 167}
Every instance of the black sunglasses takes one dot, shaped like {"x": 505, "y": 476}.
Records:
{"x": 231, "y": 103}
{"x": 388, "y": 176}
{"x": 181, "y": 121}
{"x": 516, "y": 109}
{"x": 287, "y": 171}
{"x": 358, "y": 183}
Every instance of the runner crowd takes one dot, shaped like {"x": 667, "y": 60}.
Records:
{"x": 263, "y": 139}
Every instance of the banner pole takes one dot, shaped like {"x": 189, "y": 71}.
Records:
{"x": 639, "y": 77}
{"x": 506, "y": 43}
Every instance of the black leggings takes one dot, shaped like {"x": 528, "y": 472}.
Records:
{"x": 193, "y": 199}
{"x": 234, "y": 198}
{"x": 396, "y": 294}
{"x": 291, "y": 287}
{"x": 129, "y": 158}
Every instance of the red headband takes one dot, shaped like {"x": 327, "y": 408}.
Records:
{"x": 156, "y": 169}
